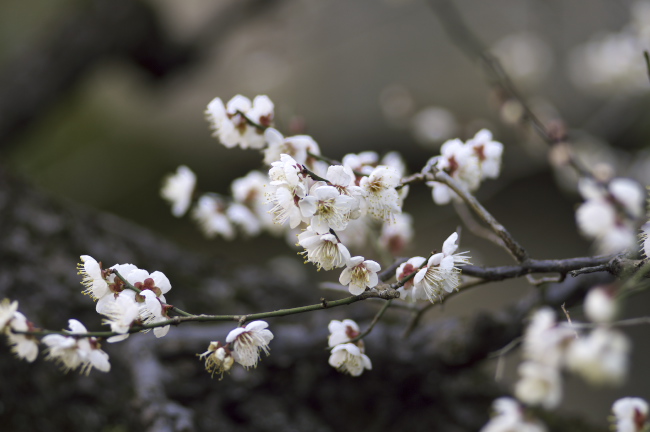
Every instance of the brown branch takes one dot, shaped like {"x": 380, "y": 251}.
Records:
{"x": 463, "y": 37}
{"x": 515, "y": 249}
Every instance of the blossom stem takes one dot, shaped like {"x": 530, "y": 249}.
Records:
{"x": 386, "y": 294}
{"x": 374, "y": 321}
{"x": 126, "y": 283}
{"x": 251, "y": 122}
{"x": 313, "y": 175}
{"x": 516, "y": 250}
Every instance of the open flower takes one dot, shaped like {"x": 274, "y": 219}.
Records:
{"x": 247, "y": 342}
{"x": 539, "y": 385}
{"x": 509, "y": 416}
{"x": 296, "y": 146}
{"x": 121, "y": 314}
{"x": 600, "y": 357}
{"x": 7, "y": 311}
{"x": 327, "y": 208}
{"x": 349, "y": 358}
{"x": 342, "y": 332}
{"x": 93, "y": 277}
{"x": 630, "y": 414}
{"x": 395, "y": 236}
{"x": 152, "y": 312}
{"x": 407, "y": 291}
{"x": 546, "y": 341}
{"x": 381, "y": 196}
{"x": 324, "y": 250}
{"x": 23, "y": 346}
{"x": 178, "y": 188}
{"x": 230, "y": 122}
{"x": 210, "y": 214}
{"x": 218, "y": 359}
{"x": 488, "y": 152}
{"x": 360, "y": 274}
{"x": 73, "y": 352}
{"x": 440, "y": 274}
{"x": 610, "y": 213}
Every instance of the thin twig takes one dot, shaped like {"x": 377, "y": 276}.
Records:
{"x": 463, "y": 37}
{"x": 374, "y": 321}
{"x": 515, "y": 249}
{"x": 416, "y": 316}
{"x": 386, "y": 293}
{"x": 476, "y": 228}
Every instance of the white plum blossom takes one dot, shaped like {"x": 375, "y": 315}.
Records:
{"x": 601, "y": 305}
{"x": 461, "y": 162}
{"x": 324, "y": 250}
{"x": 545, "y": 341}
{"x": 121, "y": 314}
{"x": 396, "y": 236}
{"x": 297, "y": 147}
{"x": 93, "y": 277}
{"x": 286, "y": 171}
{"x": 364, "y": 162}
{"x": 209, "y": 213}
{"x": 488, "y": 152}
{"x": 247, "y": 342}
{"x": 349, "y": 358}
{"x": 600, "y": 357}
{"x": 152, "y": 312}
{"x": 249, "y": 190}
{"x": 343, "y": 179}
{"x": 360, "y": 274}
{"x": 342, "y": 332}
{"x": 440, "y": 274}
{"x": 286, "y": 204}
{"x": 610, "y": 213}
{"x": 178, "y": 189}
{"x": 394, "y": 160}
{"x": 407, "y": 291}
{"x": 630, "y": 414}
{"x": 73, "y": 352}
{"x": 509, "y": 416}
{"x": 218, "y": 359}
{"x": 381, "y": 196}
{"x": 539, "y": 384}
{"x": 326, "y": 208}
{"x": 244, "y": 218}
{"x": 23, "y": 346}
{"x": 7, "y": 310}
{"x": 232, "y": 128}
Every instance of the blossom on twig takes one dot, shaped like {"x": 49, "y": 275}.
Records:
{"x": 360, "y": 274}
{"x": 73, "y": 352}
{"x": 247, "y": 342}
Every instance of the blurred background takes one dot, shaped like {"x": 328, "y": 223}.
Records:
{"x": 100, "y": 100}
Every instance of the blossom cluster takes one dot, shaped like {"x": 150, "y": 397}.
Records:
{"x": 510, "y": 416}
{"x": 72, "y": 350}
{"x": 599, "y": 356}
{"x": 243, "y": 345}
{"x": 433, "y": 277}
{"x": 611, "y": 213}
{"x": 610, "y": 63}
{"x": 347, "y": 356}
{"x": 123, "y": 307}
{"x": 469, "y": 163}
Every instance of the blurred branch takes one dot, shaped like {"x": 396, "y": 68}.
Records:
{"x": 462, "y": 36}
